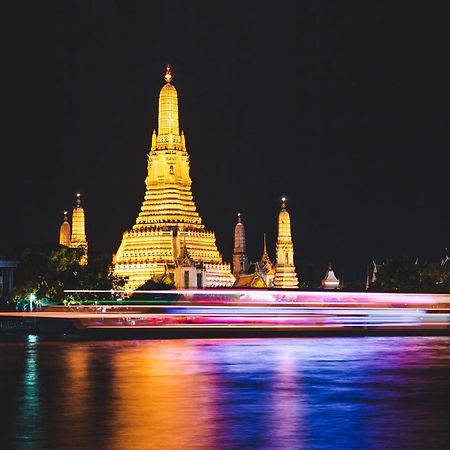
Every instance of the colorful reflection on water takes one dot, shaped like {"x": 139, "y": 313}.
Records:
{"x": 352, "y": 393}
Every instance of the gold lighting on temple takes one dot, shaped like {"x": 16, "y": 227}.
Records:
{"x": 75, "y": 238}
{"x": 64, "y": 231}
{"x": 169, "y": 225}
{"x": 240, "y": 259}
{"x": 285, "y": 274}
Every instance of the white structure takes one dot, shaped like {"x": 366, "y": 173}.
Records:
{"x": 330, "y": 281}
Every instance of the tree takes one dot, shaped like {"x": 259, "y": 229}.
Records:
{"x": 407, "y": 274}
{"x": 48, "y": 272}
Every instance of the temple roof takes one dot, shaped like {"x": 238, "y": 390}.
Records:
{"x": 284, "y": 222}
{"x": 330, "y": 277}
{"x": 185, "y": 259}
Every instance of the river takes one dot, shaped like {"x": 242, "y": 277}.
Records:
{"x": 286, "y": 393}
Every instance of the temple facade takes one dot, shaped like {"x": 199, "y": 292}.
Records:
{"x": 75, "y": 236}
{"x": 169, "y": 238}
{"x": 285, "y": 273}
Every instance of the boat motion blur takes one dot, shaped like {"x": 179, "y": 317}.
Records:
{"x": 232, "y": 312}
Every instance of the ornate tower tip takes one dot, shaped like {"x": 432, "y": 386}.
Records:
{"x": 283, "y": 202}
{"x": 168, "y": 75}
{"x": 239, "y": 217}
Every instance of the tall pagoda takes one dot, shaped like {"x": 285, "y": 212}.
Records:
{"x": 75, "y": 237}
{"x": 240, "y": 259}
{"x": 169, "y": 239}
{"x": 285, "y": 274}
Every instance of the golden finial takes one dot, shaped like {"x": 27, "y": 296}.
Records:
{"x": 239, "y": 217}
{"x": 65, "y": 216}
{"x": 78, "y": 199}
{"x": 168, "y": 75}
{"x": 283, "y": 202}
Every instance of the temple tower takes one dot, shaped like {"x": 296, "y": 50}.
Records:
{"x": 240, "y": 259}
{"x": 169, "y": 219}
{"x": 64, "y": 231}
{"x": 78, "y": 237}
{"x": 285, "y": 274}
{"x": 78, "y": 225}
{"x": 75, "y": 237}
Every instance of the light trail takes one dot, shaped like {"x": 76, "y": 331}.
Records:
{"x": 285, "y": 296}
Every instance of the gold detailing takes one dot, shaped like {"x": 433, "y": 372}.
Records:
{"x": 168, "y": 75}
{"x": 76, "y": 237}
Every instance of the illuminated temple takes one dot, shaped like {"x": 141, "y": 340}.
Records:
{"x": 75, "y": 236}
{"x": 285, "y": 273}
{"x": 169, "y": 240}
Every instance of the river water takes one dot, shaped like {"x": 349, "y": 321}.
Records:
{"x": 293, "y": 393}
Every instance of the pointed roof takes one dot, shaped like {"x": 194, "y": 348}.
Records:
{"x": 330, "y": 280}
{"x": 284, "y": 222}
{"x": 185, "y": 259}
{"x": 265, "y": 258}
{"x": 266, "y": 262}
{"x": 64, "y": 231}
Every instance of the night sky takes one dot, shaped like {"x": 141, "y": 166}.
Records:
{"x": 342, "y": 107}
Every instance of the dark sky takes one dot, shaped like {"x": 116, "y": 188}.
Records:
{"x": 341, "y": 106}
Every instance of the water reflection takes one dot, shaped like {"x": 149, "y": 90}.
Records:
{"x": 219, "y": 394}
{"x": 164, "y": 397}
{"x": 28, "y": 430}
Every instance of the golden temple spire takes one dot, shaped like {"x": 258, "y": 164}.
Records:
{"x": 264, "y": 245}
{"x": 168, "y": 108}
{"x": 78, "y": 238}
{"x": 168, "y": 75}
{"x": 285, "y": 273}
{"x": 64, "y": 231}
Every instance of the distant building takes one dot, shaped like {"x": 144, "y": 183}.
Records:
{"x": 7, "y": 267}
{"x": 329, "y": 281}
{"x": 75, "y": 236}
